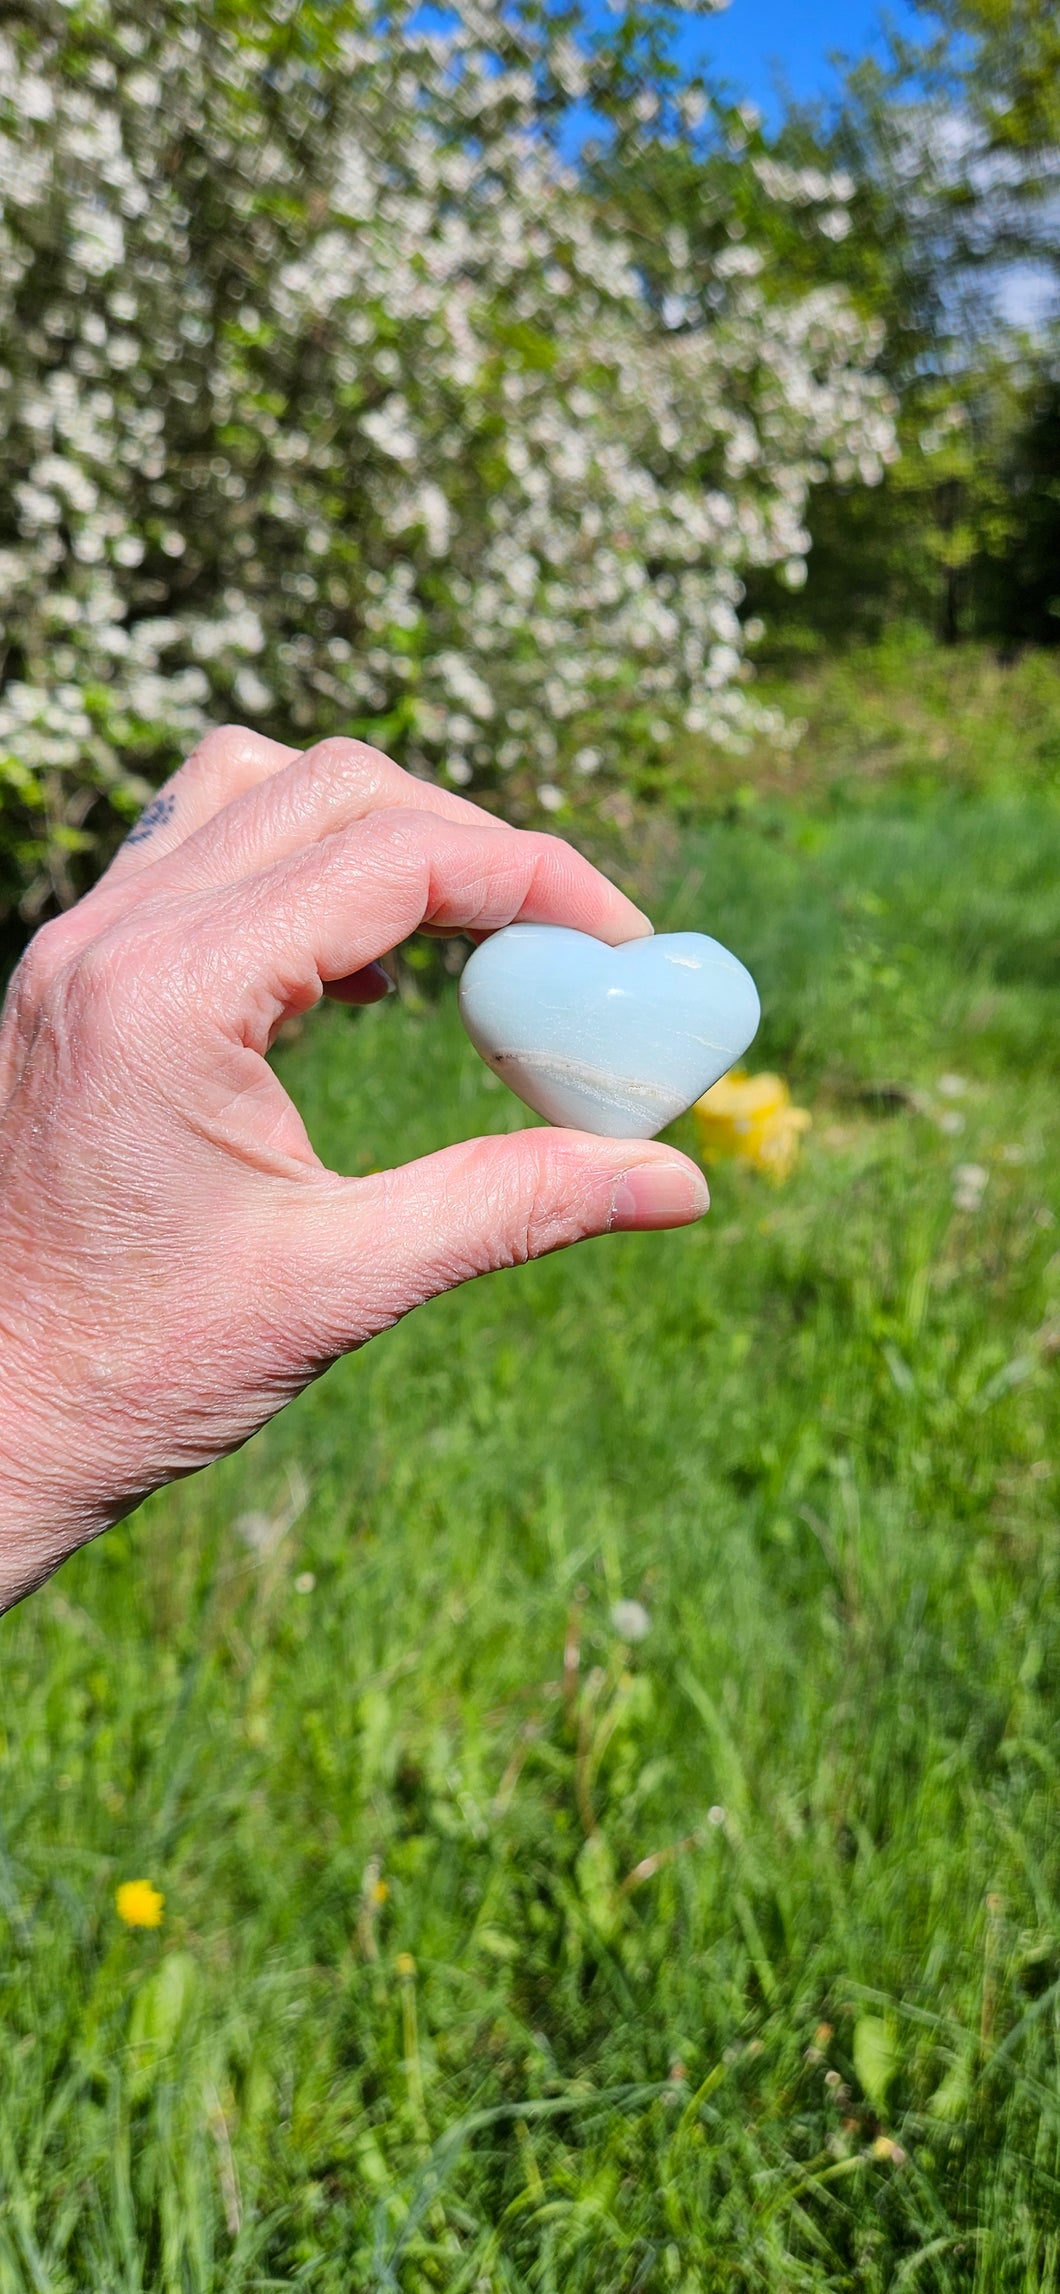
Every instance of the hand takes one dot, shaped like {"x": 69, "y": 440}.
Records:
{"x": 175, "y": 1261}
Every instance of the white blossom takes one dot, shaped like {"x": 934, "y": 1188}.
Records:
{"x": 431, "y": 458}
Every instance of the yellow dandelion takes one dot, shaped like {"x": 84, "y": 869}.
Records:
{"x": 751, "y": 1119}
{"x": 139, "y": 1904}
{"x": 885, "y": 2147}
{"x": 405, "y": 1966}
{"x": 378, "y": 1892}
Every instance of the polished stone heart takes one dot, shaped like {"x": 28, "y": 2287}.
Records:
{"x": 613, "y": 1040}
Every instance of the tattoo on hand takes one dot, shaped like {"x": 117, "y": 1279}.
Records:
{"x": 154, "y": 816}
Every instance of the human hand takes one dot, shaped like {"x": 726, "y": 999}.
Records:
{"x": 175, "y": 1261}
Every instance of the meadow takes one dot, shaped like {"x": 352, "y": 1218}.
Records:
{"x": 600, "y": 1748}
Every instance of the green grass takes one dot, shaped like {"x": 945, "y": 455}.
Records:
{"x": 725, "y": 1959}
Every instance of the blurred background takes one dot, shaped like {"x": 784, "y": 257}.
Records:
{"x": 573, "y": 1804}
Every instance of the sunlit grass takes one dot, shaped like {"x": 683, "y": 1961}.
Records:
{"x": 501, "y": 1952}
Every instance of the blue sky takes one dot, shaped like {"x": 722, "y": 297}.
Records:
{"x": 754, "y": 41}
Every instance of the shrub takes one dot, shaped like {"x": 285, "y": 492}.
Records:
{"x": 332, "y": 398}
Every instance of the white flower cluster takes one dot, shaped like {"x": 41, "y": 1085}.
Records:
{"x": 827, "y": 192}
{"x": 329, "y": 398}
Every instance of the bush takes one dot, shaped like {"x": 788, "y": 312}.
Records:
{"x": 333, "y": 398}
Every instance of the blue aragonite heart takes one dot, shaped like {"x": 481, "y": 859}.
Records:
{"x": 613, "y": 1040}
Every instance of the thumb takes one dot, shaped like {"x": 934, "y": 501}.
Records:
{"x": 387, "y": 1243}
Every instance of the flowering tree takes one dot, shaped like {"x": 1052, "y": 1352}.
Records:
{"x": 332, "y": 396}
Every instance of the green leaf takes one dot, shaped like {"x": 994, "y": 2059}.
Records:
{"x": 595, "y": 1872}
{"x": 951, "y": 2098}
{"x": 159, "y": 2011}
{"x": 875, "y": 2057}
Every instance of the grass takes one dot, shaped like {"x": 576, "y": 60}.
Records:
{"x": 501, "y": 1951}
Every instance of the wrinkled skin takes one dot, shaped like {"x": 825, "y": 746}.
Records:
{"x": 175, "y": 1260}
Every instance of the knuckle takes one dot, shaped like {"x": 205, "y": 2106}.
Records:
{"x": 552, "y": 850}
{"x": 545, "y": 1220}
{"x": 74, "y": 995}
{"x": 219, "y": 752}
{"x": 222, "y": 741}
{"x": 97, "y": 985}
{"x": 36, "y": 979}
{"x": 541, "y": 1232}
{"x": 396, "y": 831}
{"x": 124, "y": 987}
{"x": 49, "y": 950}
{"x": 396, "y": 819}
{"x": 370, "y": 770}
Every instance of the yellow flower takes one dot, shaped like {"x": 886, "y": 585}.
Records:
{"x": 751, "y": 1118}
{"x": 405, "y": 1966}
{"x": 139, "y": 1904}
{"x": 885, "y": 2147}
{"x": 378, "y": 1892}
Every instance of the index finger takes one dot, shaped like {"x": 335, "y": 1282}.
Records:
{"x": 337, "y": 905}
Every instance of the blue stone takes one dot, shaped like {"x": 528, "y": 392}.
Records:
{"x": 613, "y": 1040}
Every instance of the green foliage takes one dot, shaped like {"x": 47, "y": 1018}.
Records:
{"x": 876, "y": 2056}
{"x": 275, "y": 432}
{"x": 996, "y": 65}
{"x": 953, "y": 147}
{"x": 903, "y": 713}
{"x": 1022, "y": 583}
{"x": 514, "y": 1941}
{"x": 332, "y": 399}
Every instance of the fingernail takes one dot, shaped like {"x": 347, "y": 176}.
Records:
{"x": 658, "y": 1195}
